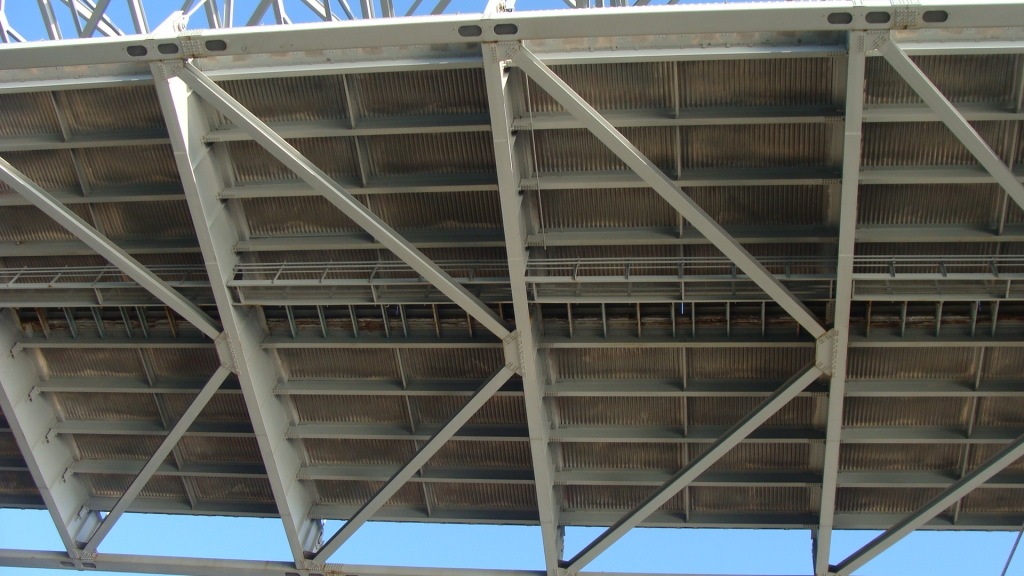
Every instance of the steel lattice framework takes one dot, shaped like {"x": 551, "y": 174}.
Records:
{"x": 680, "y": 266}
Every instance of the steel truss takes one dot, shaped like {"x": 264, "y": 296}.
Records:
{"x": 184, "y": 89}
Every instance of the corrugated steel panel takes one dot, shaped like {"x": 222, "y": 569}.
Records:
{"x": 766, "y": 82}
{"x": 439, "y": 210}
{"x": 763, "y": 205}
{"x": 91, "y": 362}
{"x": 19, "y": 483}
{"x": 640, "y": 207}
{"x": 220, "y": 408}
{"x": 49, "y": 169}
{"x": 55, "y": 261}
{"x": 452, "y": 363}
{"x": 233, "y": 489}
{"x": 929, "y": 143}
{"x": 1003, "y": 412}
{"x": 936, "y": 457}
{"x": 905, "y": 411}
{"x": 373, "y": 452}
{"x": 1003, "y": 363}
{"x": 129, "y": 165}
{"x": 929, "y": 204}
{"x": 483, "y": 453}
{"x": 623, "y": 455}
{"x": 603, "y": 208}
{"x": 499, "y": 410}
{"x": 338, "y": 363}
{"x": 179, "y": 259}
{"x": 222, "y": 449}
{"x": 792, "y": 499}
{"x": 882, "y": 499}
{"x": 29, "y": 224}
{"x": 485, "y": 496}
{"x": 612, "y": 86}
{"x": 121, "y": 108}
{"x": 295, "y": 215}
{"x": 442, "y": 153}
{"x": 252, "y": 163}
{"x": 114, "y": 485}
{"x": 910, "y": 363}
{"x": 981, "y": 453}
{"x": 994, "y": 501}
{"x": 8, "y": 445}
{"x": 581, "y": 363}
{"x": 726, "y": 411}
{"x": 27, "y": 113}
{"x": 90, "y": 406}
{"x": 415, "y": 93}
{"x": 761, "y": 456}
{"x": 649, "y": 251}
{"x": 578, "y": 150}
{"x": 747, "y": 363}
{"x": 961, "y": 79}
{"x": 183, "y": 362}
{"x": 362, "y": 409}
{"x": 928, "y": 249}
{"x": 612, "y": 498}
{"x": 296, "y": 99}
{"x": 755, "y": 146}
{"x": 143, "y": 220}
{"x": 618, "y": 411}
{"x": 314, "y": 215}
{"x": 357, "y": 492}
{"x": 116, "y": 447}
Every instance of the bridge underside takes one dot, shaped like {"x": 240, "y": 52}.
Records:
{"x": 682, "y": 266}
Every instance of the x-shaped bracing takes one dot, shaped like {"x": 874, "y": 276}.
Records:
{"x": 81, "y": 530}
{"x": 387, "y": 236}
{"x": 667, "y": 189}
{"x": 885, "y": 45}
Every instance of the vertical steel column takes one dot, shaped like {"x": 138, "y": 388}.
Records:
{"x": 844, "y": 293}
{"x": 531, "y": 364}
{"x": 257, "y": 372}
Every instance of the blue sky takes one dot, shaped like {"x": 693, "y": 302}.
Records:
{"x": 643, "y": 550}
{"x": 517, "y": 547}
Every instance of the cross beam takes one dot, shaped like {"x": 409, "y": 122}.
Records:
{"x": 844, "y": 294}
{"x": 930, "y": 510}
{"x": 695, "y": 468}
{"x": 663, "y": 185}
{"x": 952, "y": 118}
{"x": 325, "y": 185}
{"x": 105, "y": 247}
{"x": 391, "y": 487}
{"x": 158, "y": 457}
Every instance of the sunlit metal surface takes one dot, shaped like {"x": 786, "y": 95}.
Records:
{"x": 509, "y": 184}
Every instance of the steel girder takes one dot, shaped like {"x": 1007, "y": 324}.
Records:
{"x": 503, "y": 26}
{"x": 844, "y": 295}
{"x": 664, "y": 186}
{"x": 257, "y": 368}
{"x": 313, "y": 554}
{"x": 533, "y": 362}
